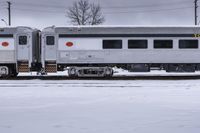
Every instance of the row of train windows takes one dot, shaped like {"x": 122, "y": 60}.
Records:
{"x": 143, "y": 44}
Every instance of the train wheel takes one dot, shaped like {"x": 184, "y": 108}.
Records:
{"x": 108, "y": 72}
{"x": 4, "y": 71}
{"x": 72, "y": 72}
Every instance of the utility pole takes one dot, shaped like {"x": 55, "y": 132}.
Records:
{"x": 9, "y": 13}
{"x": 195, "y": 11}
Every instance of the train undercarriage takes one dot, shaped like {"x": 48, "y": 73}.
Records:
{"x": 8, "y": 70}
{"x": 12, "y": 70}
{"x": 105, "y": 70}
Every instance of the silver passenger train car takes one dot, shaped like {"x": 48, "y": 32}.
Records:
{"x": 19, "y": 50}
{"x": 93, "y": 51}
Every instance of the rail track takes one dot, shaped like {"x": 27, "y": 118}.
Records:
{"x": 143, "y": 77}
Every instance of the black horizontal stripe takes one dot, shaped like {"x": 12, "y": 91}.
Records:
{"x": 126, "y": 35}
{"x": 6, "y": 35}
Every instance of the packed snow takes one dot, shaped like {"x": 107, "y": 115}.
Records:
{"x": 99, "y": 106}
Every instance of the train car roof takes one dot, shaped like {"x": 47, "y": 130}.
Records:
{"x": 74, "y": 30}
{"x": 118, "y": 26}
{"x": 13, "y": 30}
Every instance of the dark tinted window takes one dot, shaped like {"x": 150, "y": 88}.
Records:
{"x": 50, "y": 40}
{"x": 163, "y": 44}
{"x": 137, "y": 44}
{"x": 112, "y": 44}
{"x": 188, "y": 44}
{"x": 22, "y": 40}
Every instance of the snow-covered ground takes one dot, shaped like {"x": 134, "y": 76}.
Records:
{"x": 95, "y": 106}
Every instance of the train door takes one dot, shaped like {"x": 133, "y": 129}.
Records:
{"x": 24, "y": 52}
{"x": 50, "y": 53}
{"x": 50, "y": 48}
{"x": 23, "y": 47}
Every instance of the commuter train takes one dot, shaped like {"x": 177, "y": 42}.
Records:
{"x": 95, "y": 50}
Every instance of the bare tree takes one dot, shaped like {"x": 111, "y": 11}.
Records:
{"x": 84, "y": 13}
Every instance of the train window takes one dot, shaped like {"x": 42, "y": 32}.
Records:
{"x": 163, "y": 44}
{"x": 50, "y": 40}
{"x": 188, "y": 44}
{"x": 22, "y": 40}
{"x": 112, "y": 44}
{"x": 137, "y": 44}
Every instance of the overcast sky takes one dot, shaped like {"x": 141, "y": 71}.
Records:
{"x": 43, "y": 13}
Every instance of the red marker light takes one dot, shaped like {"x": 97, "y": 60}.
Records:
{"x": 5, "y": 44}
{"x": 69, "y": 44}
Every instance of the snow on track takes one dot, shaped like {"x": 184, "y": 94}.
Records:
{"x": 99, "y": 106}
